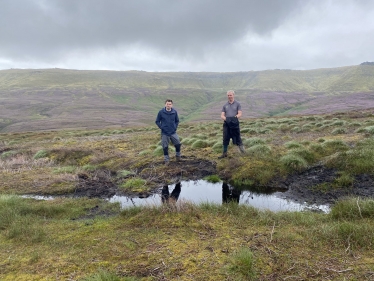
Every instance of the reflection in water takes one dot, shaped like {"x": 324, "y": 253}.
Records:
{"x": 230, "y": 193}
{"x": 165, "y": 194}
{"x": 201, "y": 191}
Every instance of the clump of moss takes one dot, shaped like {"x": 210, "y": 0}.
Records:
{"x": 212, "y": 178}
{"x": 134, "y": 184}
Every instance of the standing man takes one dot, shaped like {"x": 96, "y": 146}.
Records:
{"x": 231, "y": 112}
{"x": 167, "y": 120}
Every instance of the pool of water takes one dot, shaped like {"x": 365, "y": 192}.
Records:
{"x": 218, "y": 193}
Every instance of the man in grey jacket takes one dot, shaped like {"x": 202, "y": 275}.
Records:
{"x": 167, "y": 120}
{"x": 231, "y": 112}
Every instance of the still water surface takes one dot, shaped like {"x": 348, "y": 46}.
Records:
{"x": 202, "y": 191}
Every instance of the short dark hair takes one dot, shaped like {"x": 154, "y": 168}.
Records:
{"x": 168, "y": 100}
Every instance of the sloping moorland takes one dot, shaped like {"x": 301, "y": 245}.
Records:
{"x": 50, "y": 99}
{"x": 316, "y": 157}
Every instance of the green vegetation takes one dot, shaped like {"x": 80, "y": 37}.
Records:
{"x": 92, "y": 239}
{"x": 212, "y": 178}
{"x": 103, "y": 275}
{"x": 134, "y": 184}
{"x": 41, "y": 154}
{"x": 242, "y": 264}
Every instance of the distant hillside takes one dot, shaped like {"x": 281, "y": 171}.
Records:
{"x": 47, "y": 99}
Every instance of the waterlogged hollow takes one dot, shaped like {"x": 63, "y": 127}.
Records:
{"x": 202, "y": 191}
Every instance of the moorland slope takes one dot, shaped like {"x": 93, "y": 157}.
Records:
{"x": 49, "y": 99}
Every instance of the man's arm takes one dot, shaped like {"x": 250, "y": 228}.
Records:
{"x": 176, "y": 120}
{"x": 158, "y": 120}
{"x": 239, "y": 114}
{"x": 223, "y": 116}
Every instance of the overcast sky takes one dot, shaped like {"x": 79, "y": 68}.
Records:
{"x": 185, "y": 35}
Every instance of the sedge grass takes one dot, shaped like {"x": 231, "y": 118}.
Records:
{"x": 202, "y": 242}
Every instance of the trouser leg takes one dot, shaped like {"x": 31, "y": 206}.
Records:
{"x": 226, "y": 140}
{"x": 226, "y": 137}
{"x": 165, "y": 146}
{"x": 176, "y": 142}
{"x": 165, "y": 194}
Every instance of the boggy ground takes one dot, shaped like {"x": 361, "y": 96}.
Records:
{"x": 317, "y": 159}
{"x": 102, "y": 184}
{"x": 308, "y": 186}
{"x": 311, "y": 186}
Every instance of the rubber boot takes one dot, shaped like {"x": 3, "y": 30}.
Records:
{"x": 224, "y": 155}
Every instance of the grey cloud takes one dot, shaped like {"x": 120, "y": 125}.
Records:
{"x": 178, "y": 35}
{"x": 43, "y": 28}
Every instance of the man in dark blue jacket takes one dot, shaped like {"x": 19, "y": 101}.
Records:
{"x": 167, "y": 120}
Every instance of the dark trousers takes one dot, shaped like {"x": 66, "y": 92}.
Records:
{"x": 231, "y": 133}
{"x": 165, "y": 194}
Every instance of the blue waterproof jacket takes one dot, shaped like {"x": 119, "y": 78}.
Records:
{"x": 167, "y": 121}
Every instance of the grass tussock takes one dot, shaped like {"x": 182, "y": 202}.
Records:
{"x": 134, "y": 184}
{"x": 242, "y": 264}
{"x": 212, "y": 178}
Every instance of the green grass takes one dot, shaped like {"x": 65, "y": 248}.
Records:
{"x": 293, "y": 162}
{"x": 8, "y": 154}
{"x": 202, "y": 242}
{"x": 253, "y": 141}
{"x": 134, "y": 184}
{"x": 259, "y": 150}
{"x": 66, "y": 169}
{"x": 242, "y": 263}
{"x": 199, "y": 144}
{"x": 293, "y": 144}
{"x": 212, "y": 178}
{"x": 103, "y": 275}
{"x": 41, "y": 154}
{"x": 68, "y": 238}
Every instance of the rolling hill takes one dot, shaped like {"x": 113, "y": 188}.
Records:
{"x": 50, "y": 99}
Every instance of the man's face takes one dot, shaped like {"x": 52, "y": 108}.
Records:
{"x": 168, "y": 105}
{"x": 230, "y": 97}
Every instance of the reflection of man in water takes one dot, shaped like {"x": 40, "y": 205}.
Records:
{"x": 230, "y": 194}
{"x": 165, "y": 194}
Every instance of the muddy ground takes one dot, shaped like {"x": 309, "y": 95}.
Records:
{"x": 104, "y": 184}
{"x": 311, "y": 186}
{"x": 308, "y": 186}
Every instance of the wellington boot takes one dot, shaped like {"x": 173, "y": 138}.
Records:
{"x": 241, "y": 148}
{"x": 224, "y": 155}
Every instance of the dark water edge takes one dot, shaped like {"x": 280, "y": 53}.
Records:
{"x": 201, "y": 191}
